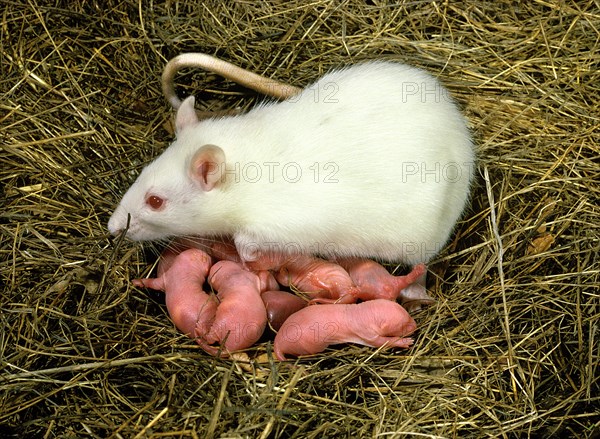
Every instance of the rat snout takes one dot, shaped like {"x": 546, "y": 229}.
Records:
{"x": 118, "y": 222}
{"x": 133, "y": 227}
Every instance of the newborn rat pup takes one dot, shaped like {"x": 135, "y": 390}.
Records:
{"x": 281, "y": 305}
{"x": 374, "y": 323}
{"x": 241, "y": 316}
{"x": 375, "y": 282}
{"x": 181, "y": 276}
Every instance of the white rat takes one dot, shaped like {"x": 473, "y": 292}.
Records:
{"x": 373, "y": 160}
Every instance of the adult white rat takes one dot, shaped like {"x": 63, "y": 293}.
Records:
{"x": 373, "y": 160}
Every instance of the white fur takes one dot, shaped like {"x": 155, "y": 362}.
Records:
{"x": 389, "y": 132}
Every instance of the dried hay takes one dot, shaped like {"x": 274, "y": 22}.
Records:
{"x": 512, "y": 347}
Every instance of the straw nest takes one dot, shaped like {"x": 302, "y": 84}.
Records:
{"x": 511, "y": 349}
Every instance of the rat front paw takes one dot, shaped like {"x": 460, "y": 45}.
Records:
{"x": 247, "y": 247}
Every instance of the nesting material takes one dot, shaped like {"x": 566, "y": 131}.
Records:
{"x": 510, "y": 349}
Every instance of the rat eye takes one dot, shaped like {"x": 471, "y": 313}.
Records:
{"x": 155, "y": 202}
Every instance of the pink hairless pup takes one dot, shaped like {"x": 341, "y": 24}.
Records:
{"x": 309, "y": 274}
{"x": 375, "y": 282}
{"x": 280, "y": 305}
{"x": 325, "y": 280}
{"x": 241, "y": 316}
{"x": 181, "y": 276}
{"x": 373, "y": 323}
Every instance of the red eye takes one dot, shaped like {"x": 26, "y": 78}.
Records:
{"x": 154, "y": 202}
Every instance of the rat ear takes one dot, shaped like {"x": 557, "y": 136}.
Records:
{"x": 207, "y": 165}
{"x": 186, "y": 115}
